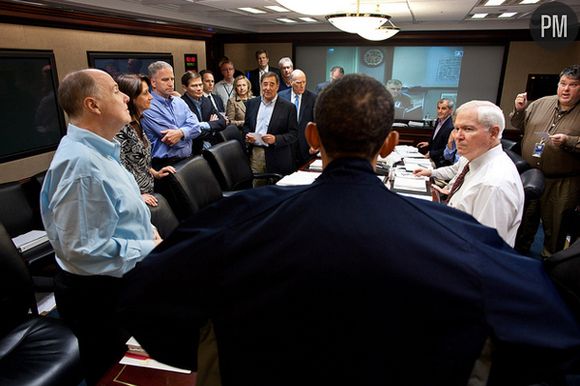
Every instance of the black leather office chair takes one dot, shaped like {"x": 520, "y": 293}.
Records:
{"x": 192, "y": 187}
{"x": 231, "y": 167}
{"x": 533, "y": 182}
{"x": 517, "y": 159}
{"x": 231, "y": 132}
{"x": 20, "y": 214}
{"x": 33, "y": 350}
{"x": 508, "y": 144}
{"x": 162, "y": 216}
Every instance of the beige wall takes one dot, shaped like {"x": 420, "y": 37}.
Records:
{"x": 529, "y": 58}
{"x": 70, "y": 51}
{"x": 244, "y": 54}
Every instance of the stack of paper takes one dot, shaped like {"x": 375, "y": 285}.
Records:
{"x": 410, "y": 183}
{"x": 316, "y": 165}
{"x": 136, "y": 356}
{"x": 29, "y": 240}
{"x": 412, "y": 164}
{"x": 298, "y": 178}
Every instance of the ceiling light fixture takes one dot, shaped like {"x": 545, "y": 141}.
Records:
{"x": 529, "y": 1}
{"x": 492, "y": 3}
{"x": 361, "y": 23}
{"x": 479, "y": 16}
{"x": 308, "y": 19}
{"x": 286, "y": 20}
{"x": 251, "y": 10}
{"x": 507, "y": 14}
{"x": 384, "y": 32}
{"x": 276, "y": 8}
{"x": 315, "y": 8}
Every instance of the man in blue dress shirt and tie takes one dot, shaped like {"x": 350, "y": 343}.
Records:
{"x": 343, "y": 282}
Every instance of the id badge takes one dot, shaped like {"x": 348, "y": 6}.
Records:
{"x": 538, "y": 149}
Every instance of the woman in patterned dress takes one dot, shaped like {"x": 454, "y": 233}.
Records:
{"x": 135, "y": 147}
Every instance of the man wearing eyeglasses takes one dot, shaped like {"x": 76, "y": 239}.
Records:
{"x": 551, "y": 143}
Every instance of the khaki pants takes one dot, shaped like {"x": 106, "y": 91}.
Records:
{"x": 258, "y": 164}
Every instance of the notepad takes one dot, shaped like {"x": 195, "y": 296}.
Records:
{"x": 30, "y": 240}
{"x": 298, "y": 178}
{"x": 413, "y": 184}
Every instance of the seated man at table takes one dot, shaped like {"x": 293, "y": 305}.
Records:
{"x": 363, "y": 289}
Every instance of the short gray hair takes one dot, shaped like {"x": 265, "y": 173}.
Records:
{"x": 488, "y": 114}
{"x": 75, "y": 87}
{"x": 155, "y": 67}
{"x": 285, "y": 60}
{"x": 450, "y": 102}
{"x": 296, "y": 73}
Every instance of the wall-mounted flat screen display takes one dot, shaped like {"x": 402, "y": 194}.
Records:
{"x": 32, "y": 121}
{"x": 116, "y": 63}
{"x": 424, "y": 74}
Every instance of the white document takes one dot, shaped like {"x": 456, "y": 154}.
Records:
{"x": 419, "y": 196}
{"x": 414, "y": 184}
{"x": 143, "y": 360}
{"x": 258, "y": 139}
{"x": 298, "y": 178}
{"x": 412, "y": 164}
{"x": 316, "y": 165}
{"x": 29, "y": 240}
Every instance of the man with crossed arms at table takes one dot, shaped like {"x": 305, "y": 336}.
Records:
{"x": 353, "y": 294}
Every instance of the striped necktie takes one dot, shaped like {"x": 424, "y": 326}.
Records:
{"x": 458, "y": 182}
{"x": 297, "y": 104}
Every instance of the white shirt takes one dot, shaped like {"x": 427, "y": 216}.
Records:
{"x": 224, "y": 90}
{"x": 492, "y": 192}
{"x": 264, "y": 115}
{"x": 450, "y": 173}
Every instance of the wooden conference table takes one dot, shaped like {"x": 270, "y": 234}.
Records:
{"x": 141, "y": 376}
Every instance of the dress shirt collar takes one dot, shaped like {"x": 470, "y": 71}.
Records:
{"x": 161, "y": 99}
{"x": 266, "y": 103}
{"x": 480, "y": 161}
{"x": 293, "y": 95}
{"x": 196, "y": 101}
{"x": 92, "y": 140}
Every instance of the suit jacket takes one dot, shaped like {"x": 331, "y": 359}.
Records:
{"x": 306, "y": 114}
{"x": 321, "y": 86}
{"x": 207, "y": 110}
{"x": 254, "y": 77}
{"x": 332, "y": 284}
{"x": 219, "y": 103}
{"x": 437, "y": 144}
{"x": 236, "y": 111}
{"x": 283, "y": 125}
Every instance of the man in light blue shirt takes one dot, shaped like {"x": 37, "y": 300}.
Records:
{"x": 94, "y": 217}
{"x": 169, "y": 123}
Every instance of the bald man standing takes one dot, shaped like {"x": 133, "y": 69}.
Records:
{"x": 304, "y": 101}
{"x": 94, "y": 216}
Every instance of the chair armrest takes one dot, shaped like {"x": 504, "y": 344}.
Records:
{"x": 274, "y": 176}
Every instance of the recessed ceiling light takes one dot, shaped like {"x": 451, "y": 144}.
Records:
{"x": 491, "y": 3}
{"x": 308, "y": 19}
{"x": 507, "y": 14}
{"x": 277, "y": 8}
{"x": 286, "y": 20}
{"x": 529, "y": 1}
{"x": 251, "y": 10}
{"x": 479, "y": 16}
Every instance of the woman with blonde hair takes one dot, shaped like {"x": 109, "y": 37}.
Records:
{"x": 236, "y": 108}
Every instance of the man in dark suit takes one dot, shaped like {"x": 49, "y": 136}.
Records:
{"x": 208, "y": 90}
{"x": 336, "y": 72}
{"x": 332, "y": 283}
{"x": 256, "y": 74}
{"x": 210, "y": 120}
{"x": 270, "y": 129}
{"x": 304, "y": 101}
{"x": 440, "y": 136}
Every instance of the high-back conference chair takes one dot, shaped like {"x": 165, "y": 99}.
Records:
{"x": 231, "y": 166}
{"x": 191, "y": 188}
{"x": 162, "y": 216}
{"x": 33, "y": 350}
